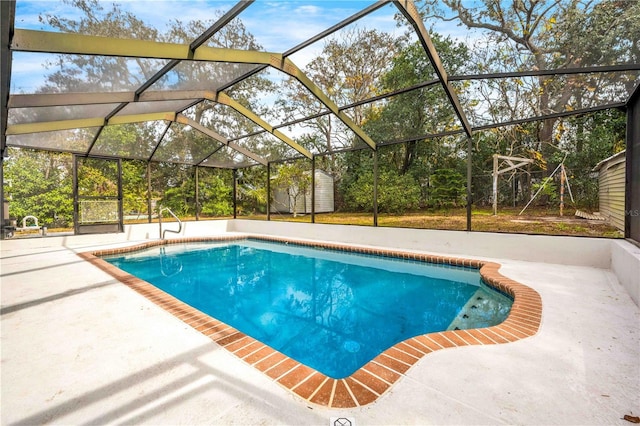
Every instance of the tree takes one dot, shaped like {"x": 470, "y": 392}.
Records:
{"x": 295, "y": 180}
{"x": 396, "y": 194}
{"x": 447, "y": 188}
{"x": 590, "y": 139}
{"x": 348, "y": 70}
{"x": 134, "y": 188}
{"x": 39, "y": 184}
{"x": 550, "y": 34}
{"x": 404, "y": 168}
{"x": 76, "y": 73}
{"x": 421, "y": 111}
{"x": 215, "y": 194}
{"x": 252, "y": 190}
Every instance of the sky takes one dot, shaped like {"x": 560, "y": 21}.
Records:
{"x": 274, "y": 22}
{"x": 278, "y": 25}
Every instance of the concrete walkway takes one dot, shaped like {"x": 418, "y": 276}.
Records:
{"x": 80, "y": 348}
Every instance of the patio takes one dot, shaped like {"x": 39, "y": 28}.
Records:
{"x": 136, "y": 114}
{"x": 78, "y": 347}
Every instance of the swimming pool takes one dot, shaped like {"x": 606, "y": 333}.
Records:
{"x": 377, "y": 376}
{"x": 330, "y": 310}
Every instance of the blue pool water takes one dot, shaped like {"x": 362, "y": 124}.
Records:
{"x": 332, "y": 311}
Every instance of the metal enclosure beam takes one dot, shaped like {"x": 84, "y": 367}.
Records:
{"x": 50, "y": 126}
{"x": 291, "y": 69}
{"x": 313, "y": 39}
{"x": 535, "y": 73}
{"x": 226, "y": 100}
{"x": 149, "y": 212}
{"x": 408, "y": 9}
{"x": 97, "y": 98}
{"x": 469, "y": 181}
{"x": 64, "y": 99}
{"x": 75, "y": 194}
{"x": 199, "y": 127}
{"x": 79, "y": 44}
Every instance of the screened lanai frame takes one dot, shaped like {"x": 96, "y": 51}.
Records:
{"x": 145, "y": 104}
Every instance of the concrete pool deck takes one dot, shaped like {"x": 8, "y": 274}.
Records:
{"x": 79, "y": 347}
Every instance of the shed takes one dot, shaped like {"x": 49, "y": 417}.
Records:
{"x": 611, "y": 192}
{"x": 324, "y": 202}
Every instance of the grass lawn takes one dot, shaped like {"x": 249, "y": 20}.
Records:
{"x": 533, "y": 221}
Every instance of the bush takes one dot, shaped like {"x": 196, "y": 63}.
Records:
{"x": 396, "y": 193}
{"x": 447, "y": 188}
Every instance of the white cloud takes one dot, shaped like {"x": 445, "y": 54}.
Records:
{"x": 159, "y": 14}
{"x": 307, "y": 10}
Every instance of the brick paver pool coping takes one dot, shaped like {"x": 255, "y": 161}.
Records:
{"x": 375, "y": 378}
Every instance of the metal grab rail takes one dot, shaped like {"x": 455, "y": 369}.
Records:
{"x": 174, "y": 216}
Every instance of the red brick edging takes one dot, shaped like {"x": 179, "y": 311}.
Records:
{"x": 375, "y": 378}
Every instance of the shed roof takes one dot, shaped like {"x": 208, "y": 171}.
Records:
{"x": 609, "y": 161}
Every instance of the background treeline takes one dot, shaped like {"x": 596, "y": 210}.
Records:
{"x": 415, "y": 171}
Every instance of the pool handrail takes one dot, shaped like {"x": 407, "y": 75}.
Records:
{"x": 161, "y": 233}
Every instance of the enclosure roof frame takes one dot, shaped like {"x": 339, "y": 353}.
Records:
{"x": 25, "y": 40}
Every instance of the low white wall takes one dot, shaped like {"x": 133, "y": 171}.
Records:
{"x": 189, "y": 229}
{"x": 622, "y": 257}
{"x": 625, "y": 263}
{"x": 137, "y": 232}
{"x": 595, "y": 252}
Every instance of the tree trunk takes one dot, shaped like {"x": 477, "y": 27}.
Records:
{"x": 548, "y": 147}
{"x": 409, "y": 156}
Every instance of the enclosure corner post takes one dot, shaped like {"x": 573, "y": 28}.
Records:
{"x": 494, "y": 175}
{"x": 235, "y": 193}
{"x": 268, "y": 191}
{"x": 313, "y": 189}
{"x": 197, "y": 200}
{"x": 149, "y": 211}
{"x": 120, "y": 197}
{"x": 469, "y": 171}
{"x": 3, "y": 212}
{"x": 375, "y": 188}
{"x": 562, "y": 182}
{"x": 8, "y": 11}
{"x": 75, "y": 195}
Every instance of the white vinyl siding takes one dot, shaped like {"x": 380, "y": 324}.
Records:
{"x": 612, "y": 190}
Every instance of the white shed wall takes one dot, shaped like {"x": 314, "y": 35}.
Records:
{"x": 324, "y": 194}
{"x": 283, "y": 203}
